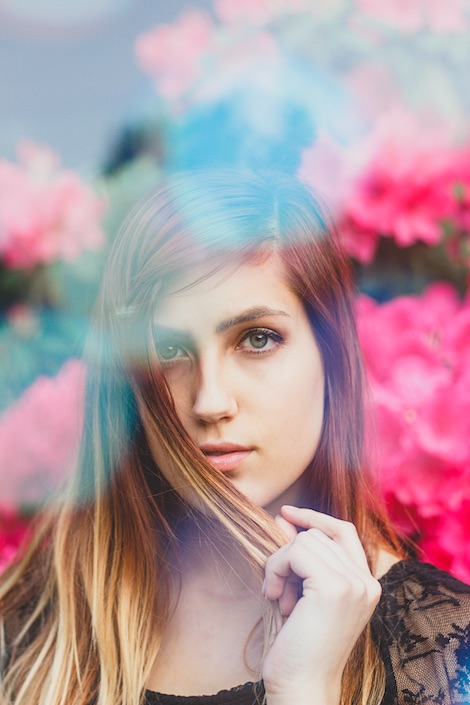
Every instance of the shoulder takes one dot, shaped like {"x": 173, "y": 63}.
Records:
{"x": 417, "y": 588}
{"x": 422, "y": 624}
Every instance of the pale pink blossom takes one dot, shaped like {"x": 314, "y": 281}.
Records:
{"x": 245, "y": 11}
{"x": 247, "y": 62}
{"x": 374, "y": 87}
{"x": 326, "y": 166}
{"x": 258, "y": 12}
{"x": 173, "y": 54}
{"x": 46, "y": 214}
{"x": 39, "y": 436}
{"x": 415, "y": 15}
{"x": 194, "y": 59}
{"x": 323, "y": 167}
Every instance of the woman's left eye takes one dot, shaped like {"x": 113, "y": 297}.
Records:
{"x": 260, "y": 340}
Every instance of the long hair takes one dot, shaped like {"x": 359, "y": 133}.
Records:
{"x": 84, "y": 610}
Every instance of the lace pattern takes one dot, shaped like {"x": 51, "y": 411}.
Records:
{"x": 422, "y": 627}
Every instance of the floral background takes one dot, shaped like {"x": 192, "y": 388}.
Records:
{"x": 368, "y": 101}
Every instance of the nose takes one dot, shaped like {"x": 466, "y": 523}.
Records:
{"x": 213, "y": 401}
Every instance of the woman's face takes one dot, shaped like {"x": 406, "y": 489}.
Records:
{"x": 246, "y": 375}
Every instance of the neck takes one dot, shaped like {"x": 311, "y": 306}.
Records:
{"x": 210, "y": 561}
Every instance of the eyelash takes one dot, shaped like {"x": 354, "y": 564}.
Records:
{"x": 276, "y": 338}
{"x": 270, "y": 334}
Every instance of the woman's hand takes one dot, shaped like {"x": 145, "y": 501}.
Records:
{"x": 327, "y": 566}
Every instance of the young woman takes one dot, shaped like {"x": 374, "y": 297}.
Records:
{"x": 221, "y": 543}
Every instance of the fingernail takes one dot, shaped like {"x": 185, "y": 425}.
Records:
{"x": 263, "y": 588}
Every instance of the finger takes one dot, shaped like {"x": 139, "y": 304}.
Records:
{"x": 286, "y": 527}
{"x": 299, "y": 560}
{"x": 289, "y": 598}
{"x": 343, "y": 533}
{"x": 317, "y": 560}
{"x": 341, "y": 553}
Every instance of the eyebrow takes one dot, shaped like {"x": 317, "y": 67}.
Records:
{"x": 251, "y": 314}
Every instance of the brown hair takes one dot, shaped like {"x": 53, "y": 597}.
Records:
{"x": 75, "y": 608}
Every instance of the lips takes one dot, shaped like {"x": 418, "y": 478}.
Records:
{"x": 225, "y": 456}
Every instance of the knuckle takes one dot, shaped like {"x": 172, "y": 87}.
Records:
{"x": 348, "y": 527}
{"x": 352, "y": 589}
{"x": 374, "y": 590}
{"x": 269, "y": 562}
{"x": 358, "y": 591}
{"x": 304, "y": 538}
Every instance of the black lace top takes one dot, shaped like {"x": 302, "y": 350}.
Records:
{"x": 422, "y": 627}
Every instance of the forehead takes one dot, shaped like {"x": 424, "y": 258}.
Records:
{"x": 234, "y": 287}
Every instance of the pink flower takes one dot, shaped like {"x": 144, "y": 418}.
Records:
{"x": 323, "y": 167}
{"x": 443, "y": 427}
{"x": 405, "y": 188}
{"x": 414, "y": 15}
{"x": 417, "y": 351}
{"x": 326, "y": 166}
{"x": 45, "y": 214}
{"x": 458, "y": 337}
{"x": 407, "y": 326}
{"x": 448, "y": 544}
{"x": 173, "y": 54}
{"x": 39, "y": 436}
{"x": 374, "y": 88}
{"x": 195, "y": 59}
{"x": 13, "y": 532}
{"x": 459, "y": 176}
{"x": 359, "y": 242}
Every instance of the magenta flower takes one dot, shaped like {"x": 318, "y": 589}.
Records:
{"x": 45, "y": 214}
{"x": 408, "y": 326}
{"x": 447, "y": 543}
{"x": 443, "y": 426}
{"x": 410, "y": 182}
{"x": 13, "y": 532}
{"x": 39, "y": 436}
{"x": 417, "y": 353}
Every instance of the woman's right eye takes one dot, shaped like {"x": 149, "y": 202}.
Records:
{"x": 170, "y": 353}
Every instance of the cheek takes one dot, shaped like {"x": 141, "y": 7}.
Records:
{"x": 179, "y": 385}
{"x": 301, "y": 386}
{"x": 304, "y": 407}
